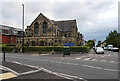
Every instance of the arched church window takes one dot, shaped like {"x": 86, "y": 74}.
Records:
{"x": 44, "y": 27}
{"x": 36, "y": 28}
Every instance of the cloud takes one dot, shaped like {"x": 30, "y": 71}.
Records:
{"x": 95, "y": 19}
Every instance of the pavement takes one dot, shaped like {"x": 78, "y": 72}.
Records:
{"x": 91, "y": 66}
{"x": 16, "y": 71}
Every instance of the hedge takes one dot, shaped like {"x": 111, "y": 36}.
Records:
{"x": 82, "y": 49}
{"x": 7, "y": 45}
{"x": 37, "y": 49}
{"x": 9, "y": 48}
{"x": 56, "y": 49}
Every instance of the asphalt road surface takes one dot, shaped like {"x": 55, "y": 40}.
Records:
{"x": 88, "y": 66}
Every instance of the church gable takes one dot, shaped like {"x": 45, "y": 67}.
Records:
{"x": 42, "y": 26}
{"x": 41, "y": 18}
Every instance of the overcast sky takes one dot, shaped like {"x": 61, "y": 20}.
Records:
{"x": 95, "y": 19}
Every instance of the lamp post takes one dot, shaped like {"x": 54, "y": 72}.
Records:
{"x": 23, "y": 30}
{"x": 63, "y": 40}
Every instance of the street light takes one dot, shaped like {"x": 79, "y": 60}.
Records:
{"x": 63, "y": 40}
{"x": 23, "y": 30}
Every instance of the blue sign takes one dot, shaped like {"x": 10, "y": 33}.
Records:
{"x": 69, "y": 44}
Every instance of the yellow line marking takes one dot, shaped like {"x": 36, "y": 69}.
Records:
{"x": 39, "y": 54}
{"x": 35, "y": 55}
{"x": 7, "y": 76}
{"x": 44, "y": 54}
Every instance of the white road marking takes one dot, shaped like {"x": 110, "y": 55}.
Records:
{"x": 16, "y": 62}
{"x": 8, "y": 69}
{"x": 103, "y": 60}
{"x": 78, "y": 58}
{"x": 25, "y": 64}
{"x": 29, "y": 72}
{"x": 98, "y": 68}
{"x": 85, "y": 65}
{"x": 112, "y": 61}
{"x": 62, "y": 74}
{"x": 48, "y": 71}
{"x": 87, "y": 58}
{"x": 72, "y": 64}
{"x": 110, "y": 69}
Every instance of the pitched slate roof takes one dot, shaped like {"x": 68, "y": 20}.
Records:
{"x": 11, "y": 30}
{"x": 66, "y": 25}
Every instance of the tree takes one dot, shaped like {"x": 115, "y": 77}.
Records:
{"x": 92, "y": 42}
{"x": 113, "y": 38}
{"x": 99, "y": 43}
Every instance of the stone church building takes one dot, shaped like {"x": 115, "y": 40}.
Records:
{"x": 46, "y": 32}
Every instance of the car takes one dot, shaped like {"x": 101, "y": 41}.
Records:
{"x": 115, "y": 49}
{"x": 99, "y": 50}
{"x": 109, "y": 47}
{"x": 105, "y": 48}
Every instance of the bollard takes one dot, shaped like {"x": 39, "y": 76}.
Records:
{"x": 63, "y": 55}
{"x": 4, "y": 56}
{"x": 39, "y": 52}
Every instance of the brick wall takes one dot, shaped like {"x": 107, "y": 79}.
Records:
{"x": 13, "y": 39}
{"x": 5, "y": 40}
{"x": 8, "y": 40}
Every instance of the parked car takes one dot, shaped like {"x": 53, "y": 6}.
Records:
{"x": 109, "y": 47}
{"x": 105, "y": 48}
{"x": 115, "y": 49}
{"x": 99, "y": 50}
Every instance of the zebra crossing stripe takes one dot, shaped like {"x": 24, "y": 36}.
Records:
{"x": 92, "y": 59}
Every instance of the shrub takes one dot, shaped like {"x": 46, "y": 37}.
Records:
{"x": 80, "y": 49}
{"x": 9, "y": 49}
{"x": 37, "y": 49}
{"x": 56, "y": 44}
{"x": 2, "y": 44}
{"x": 10, "y": 44}
{"x": 46, "y": 48}
{"x": 90, "y": 44}
{"x": 58, "y": 48}
{"x": 79, "y": 45}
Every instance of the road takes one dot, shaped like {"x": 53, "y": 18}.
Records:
{"x": 88, "y": 66}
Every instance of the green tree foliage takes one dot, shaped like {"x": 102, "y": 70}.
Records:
{"x": 113, "y": 38}
{"x": 99, "y": 43}
{"x": 92, "y": 42}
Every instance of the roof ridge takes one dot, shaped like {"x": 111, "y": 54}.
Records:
{"x": 66, "y": 20}
{"x": 9, "y": 26}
